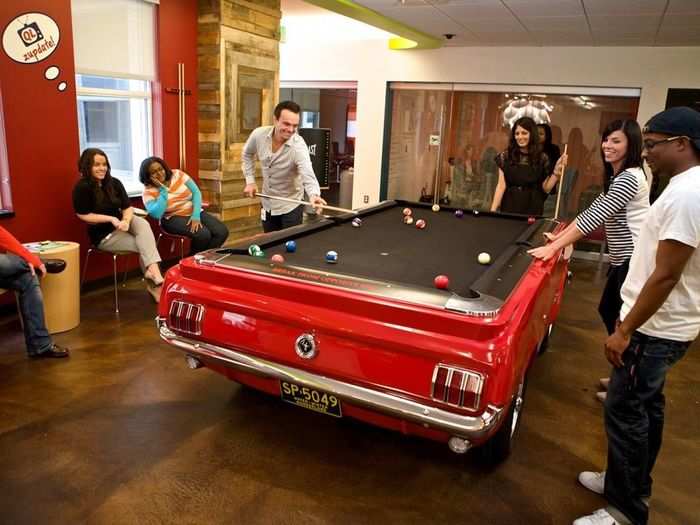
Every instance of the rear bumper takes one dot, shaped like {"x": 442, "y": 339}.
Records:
{"x": 468, "y": 427}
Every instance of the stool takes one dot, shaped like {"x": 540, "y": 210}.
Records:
{"x": 19, "y": 310}
{"x": 114, "y": 255}
{"x": 173, "y": 239}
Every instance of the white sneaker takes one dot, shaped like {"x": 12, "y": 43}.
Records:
{"x": 604, "y": 382}
{"x": 593, "y": 481}
{"x": 600, "y": 396}
{"x": 599, "y": 517}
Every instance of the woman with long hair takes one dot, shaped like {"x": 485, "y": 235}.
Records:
{"x": 545, "y": 135}
{"x": 622, "y": 208}
{"x": 174, "y": 199}
{"x": 525, "y": 177}
{"x": 101, "y": 201}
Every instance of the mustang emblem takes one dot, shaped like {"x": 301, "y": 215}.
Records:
{"x": 306, "y": 346}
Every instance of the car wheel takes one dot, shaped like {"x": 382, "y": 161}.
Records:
{"x": 544, "y": 344}
{"x": 499, "y": 447}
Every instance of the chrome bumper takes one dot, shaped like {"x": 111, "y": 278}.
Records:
{"x": 468, "y": 427}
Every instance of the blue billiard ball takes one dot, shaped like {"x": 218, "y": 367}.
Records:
{"x": 459, "y": 214}
{"x": 290, "y": 246}
{"x": 332, "y": 257}
{"x": 357, "y": 222}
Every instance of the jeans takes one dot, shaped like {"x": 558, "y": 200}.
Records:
{"x": 212, "y": 234}
{"x": 610, "y": 301}
{"x": 634, "y": 421}
{"x": 16, "y": 275}
{"x": 279, "y": 222}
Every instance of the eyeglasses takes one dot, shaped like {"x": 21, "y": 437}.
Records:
{"x": 651, "y": 144}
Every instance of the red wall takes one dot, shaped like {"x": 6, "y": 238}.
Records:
{"x": 41, "y": 126}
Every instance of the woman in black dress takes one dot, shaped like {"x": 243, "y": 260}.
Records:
{"x": 525, "y": 177}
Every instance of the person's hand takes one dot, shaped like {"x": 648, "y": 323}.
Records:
{"x": 615, "y": 345}
{"x": 550, "y": 236}
{"x": 123, "y": 225}
{"x": 194, "y": 225}
{"x": 250, "y": 190}
{"x": 157, "y": 183}
{"x": 41, "y": 269}
{"x": 115, "y": 222}
{"x": 559, "y": 166}
{"x": 545, "y": 252}
{"x": 317, "y": 203}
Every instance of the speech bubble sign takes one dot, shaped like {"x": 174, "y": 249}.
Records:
{"x": 30, "y": 38}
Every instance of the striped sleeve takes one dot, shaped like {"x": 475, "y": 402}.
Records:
{"x": 622, "y": 190}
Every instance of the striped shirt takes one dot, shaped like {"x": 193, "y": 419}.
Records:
{"x": 178, "y": 195}
{"x": 286, "y": 172}
{"x": 623, "y": 210}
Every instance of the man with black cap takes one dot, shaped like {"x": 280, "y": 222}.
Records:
{"x": 659, "y": 319}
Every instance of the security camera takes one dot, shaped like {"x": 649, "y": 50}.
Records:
{"x": 449, "y": 36}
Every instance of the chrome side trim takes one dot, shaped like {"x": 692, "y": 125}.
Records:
{"x": 468, "y": 427}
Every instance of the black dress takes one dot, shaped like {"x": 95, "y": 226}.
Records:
{"x": 524, "y": 193}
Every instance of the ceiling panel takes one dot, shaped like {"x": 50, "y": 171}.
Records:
{"x": 625, "y": 24}
{"x": 624, "y": 7}
{"x": 555, "y": 23}
{"x": 476, "y": 10}
{"x": 532, "y": 8}
{"x": 683, "y": 6}
{"x": 426, "y": 19}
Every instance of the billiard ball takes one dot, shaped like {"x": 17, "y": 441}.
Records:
{"x": 290, "y": 246}
{"x": 356, "y": 222}
{"x": 254, "y": 249}
{"x": 442, "y": 282}
{"x": 407, "y": 211}
{"x": 277, "y": 258}
{"x": 420, "y": 224}
{"x": 260, "y": 253}
{"x": 331, "y": 257}
{"x": 484, "y": 258}
{"x": 459, "y": 214}
{"x": 475, "y": 212}
{"x": 531, "y": 220}
{"x": 408, "y": 219}
{"x": 436, "y": 207}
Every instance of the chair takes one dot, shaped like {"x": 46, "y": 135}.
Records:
{"x": 173, "y": 239}
{"x": 19, "y": 310}
{"x": 114, "y": 256}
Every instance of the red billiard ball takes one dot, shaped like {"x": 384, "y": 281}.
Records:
{"x": 420, "y": 224}
{"x": 442, "y": 282}
{"x": 277, "y": 258}
{"x": 407, "y": 212}
{"x": 531, "y": 220}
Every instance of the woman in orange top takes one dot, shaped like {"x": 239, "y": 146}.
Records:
{"x": 172, "y": 197}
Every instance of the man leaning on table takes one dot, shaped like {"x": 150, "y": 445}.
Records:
{"x": 286, "y": 169}
{"x": 19, "y": 271}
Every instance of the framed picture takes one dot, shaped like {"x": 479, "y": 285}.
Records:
{"x": 250, "y": 109}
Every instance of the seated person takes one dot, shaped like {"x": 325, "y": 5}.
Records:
{"x": 172, "y": 197}
{"x": 101, "y": 201}
{"x": 18, "y": 271}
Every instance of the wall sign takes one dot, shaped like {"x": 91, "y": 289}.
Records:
{"x": 31, "y": 38}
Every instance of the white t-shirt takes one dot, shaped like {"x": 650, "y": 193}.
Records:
{"x": 674, "y": 216}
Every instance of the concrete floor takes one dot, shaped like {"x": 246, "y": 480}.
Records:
{"x": 124, "y": 433}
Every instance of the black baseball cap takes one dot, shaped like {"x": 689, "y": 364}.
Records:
{"x": 678, "y": 121}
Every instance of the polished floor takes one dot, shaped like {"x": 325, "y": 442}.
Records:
{"x": 122, "y": 432}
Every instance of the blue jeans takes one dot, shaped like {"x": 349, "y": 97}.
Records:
{"x": 634, "y": 421}
{"x": 15, "y": 274}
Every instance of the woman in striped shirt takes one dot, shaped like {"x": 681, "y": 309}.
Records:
{"x": 172, "y": 197}
{"x": 622, "y": 208}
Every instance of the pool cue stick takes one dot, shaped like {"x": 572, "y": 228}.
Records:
{"x": 561, "y": 183}
{"x": 305, "y": 203}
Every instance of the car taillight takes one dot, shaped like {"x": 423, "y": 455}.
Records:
{"x": 457, "y": 387}
{"x": 186, "y": 317}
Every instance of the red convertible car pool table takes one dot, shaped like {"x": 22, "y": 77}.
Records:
{"x": 369, "y": 335}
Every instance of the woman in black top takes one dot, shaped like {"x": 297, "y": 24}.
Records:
{"x": 101, "y": 201}
{"x": 524, "y": 172}
{"x": 552, "y": 150}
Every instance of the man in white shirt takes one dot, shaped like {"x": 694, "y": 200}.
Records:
{"x": 286, "y": 169}
{"x": 660, "y": 317}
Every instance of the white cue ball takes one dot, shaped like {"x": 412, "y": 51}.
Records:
{"x": 484, "y": 258}
{"x": 436, "y": 207}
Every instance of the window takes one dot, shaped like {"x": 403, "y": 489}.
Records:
{"x": 114, "y": 114}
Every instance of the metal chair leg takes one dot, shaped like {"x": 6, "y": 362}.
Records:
{"x": 182, "y": 248}
{"x": 116, "y": 291}
{"x": 85, "y": 267}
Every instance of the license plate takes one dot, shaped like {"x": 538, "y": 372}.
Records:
{"x": 316, "y": 400}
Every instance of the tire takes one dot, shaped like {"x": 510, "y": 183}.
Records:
{"x": 498, "y": 448}
{"x": 544, "y": 344}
